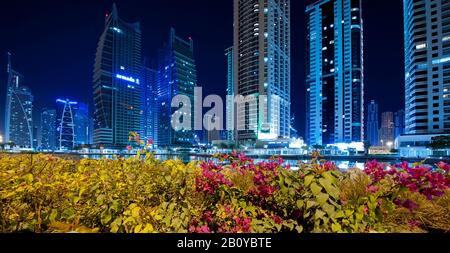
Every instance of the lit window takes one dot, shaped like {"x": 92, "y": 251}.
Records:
{"x": 421, "y": 46}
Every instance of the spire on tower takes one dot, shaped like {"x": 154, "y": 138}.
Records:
{"x": 115, "y": 12}
{"x": 9, "y": 62}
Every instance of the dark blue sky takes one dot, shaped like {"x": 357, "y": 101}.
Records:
{"x": 53, "y": 44}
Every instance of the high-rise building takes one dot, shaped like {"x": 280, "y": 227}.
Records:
{"x": 19, "y": 110}
{"x": 177, "y": 75}
{"x": 230, "y": 108}
{"x": 65, "y": 123}
{"x": 81, "y": 124}
{"x": 427, "y": 66}
{"x": 399, "y": 122}
{"x": 387, "y": 129}
{"x": 373, "y": 123}
{"x": 48, "y": 129}
{"x": 262, "y": 67}
{"x": 335, "y": 79}
{"x": 117, "y": 74}
{"x": 149, "y": 102}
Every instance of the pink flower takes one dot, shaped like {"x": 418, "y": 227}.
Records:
{"x": 129, "y": 148}
{"x": 444, "y": 166}
{"x": 372, "y": 189}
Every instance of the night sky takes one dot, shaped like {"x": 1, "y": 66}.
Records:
{"x": 54, "y": 43}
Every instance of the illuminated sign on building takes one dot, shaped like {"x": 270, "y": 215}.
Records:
{"x": 128, "y": 78}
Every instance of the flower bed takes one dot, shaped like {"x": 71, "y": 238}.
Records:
{"x": 46, "y": 194}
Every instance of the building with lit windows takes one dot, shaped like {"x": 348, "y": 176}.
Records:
{"x": 230, "y": 106}
{"x": 373, "y": 123}
{"x": 116, "y": 80}
{"x": 18, "y": 111}
{"x": 387, "y": 129}
{"x": 335, "y": 79}
{"x": 48, "y": 129}
{"x": 427, "y": 66}
{"x": 149, "y": 102}
{"x": 177, "y": 75}
{"x": 399, "y": 123}
{"x": 81, "y": 124}
{"x": 262, "y": 67}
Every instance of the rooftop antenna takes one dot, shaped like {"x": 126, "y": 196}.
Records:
{"x": 9, "y": 62}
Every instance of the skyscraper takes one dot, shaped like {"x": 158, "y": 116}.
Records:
{"x": 230, "y": 108}
{"x": 373, "y": 125}
{"x": 427, "y": 66}
{"x": 177, "y": 75}
{"x": 387, "y": 129}
{"x": 262, "y": 67}
{"x": 149, "y": 102}
{"x": 81, "y": 124}
{"x": 335, "y": 79}
{"x": 19, "y": 110}
{"x": 399, "y": 122}
{"x": 65, "y": 123}
{"x": 117, "y": 74}
{"x": 48, "y": 129}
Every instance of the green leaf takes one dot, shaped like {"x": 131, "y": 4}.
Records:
{"x": 299, "y": 228}
{"x": 329, "y": 209}
{"x": 335, "y": 227}
{"x": 300, "y": 204}
{"x": 319, "y": 214}
{"x": 331, "y": 190}
{"x": 308, "y": 180}
{"x": 322, "y": 198}
{"x": 315, "y": 188}
{"x": 310, "y": 204}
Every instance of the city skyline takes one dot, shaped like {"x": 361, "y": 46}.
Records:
{"x": 202, "y": 48}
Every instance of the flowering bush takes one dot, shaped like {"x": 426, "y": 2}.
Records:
{"x": 41, "y": 193}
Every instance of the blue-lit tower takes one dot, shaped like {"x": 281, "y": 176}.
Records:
{"x": 427, "y": 67}
{"x": 117, "y": 85}
{"x": 18, "y": 110}
{"x": 65, "y": 136}
{"x": 373, "y": 123}
{"x": 149, "y": 104}
{"x": 81, "y": 124}
{"x": 230, "y": 105}
{"x": 335, "y": 79}
{"x": 48, "y": 129}
{"x": 177, "y": 75}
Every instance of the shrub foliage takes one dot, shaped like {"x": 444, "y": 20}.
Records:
{"x": 42, "y": 193}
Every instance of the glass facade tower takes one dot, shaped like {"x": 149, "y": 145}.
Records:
{"x": 19, "y": 110}
{"x": 48, "y": 129}
{"x": 335, "y": 79}
{"x": 117, "y": 74}
{"x": 373, "y": 124}
{"x": 262, "y": 66}
{"x": 427, "y": 66}
{"x": 177, "y": 75}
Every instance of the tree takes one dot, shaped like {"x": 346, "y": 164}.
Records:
{"x": 440, "y": 142}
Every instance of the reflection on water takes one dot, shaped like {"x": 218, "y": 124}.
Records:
{"x": 186, "y": 158}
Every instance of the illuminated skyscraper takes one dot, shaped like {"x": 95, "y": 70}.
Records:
{"x": 81, "y": 124}
{"x": 335, "y": 79}
{"x": 230, "y": 106}
{"x": 373, "y": 123}
{"x": 117, "y": 74}
{"x": 65, "y": 123}
{"x": 19, "y": 110}
{"x": 399, "y": 122}
{"x": 177, "y": 75}
{"x": 48, "y": 129}
{"x": 262, "y": 67}
{"x": 149, "y": 102}
{"x": 387, "y": 129}
{"x": 427, "y": 66}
